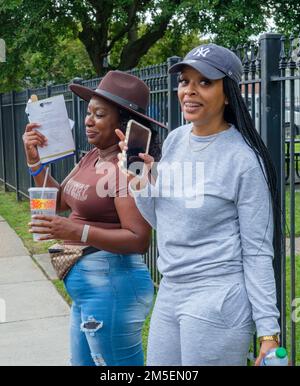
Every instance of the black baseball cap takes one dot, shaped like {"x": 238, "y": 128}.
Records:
{"x": 213, "y": 61}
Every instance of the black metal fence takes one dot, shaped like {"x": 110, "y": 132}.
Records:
{"x": 271, "y": 90}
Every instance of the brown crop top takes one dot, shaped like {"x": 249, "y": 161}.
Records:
{"x": 91, "y": 190}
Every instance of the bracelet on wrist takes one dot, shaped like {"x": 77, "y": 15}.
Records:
{"x": 270, "y": 338}
{"x": 37, "y": 172}
{"x": 34, "y": 165}
{"x": 85, "y": 233}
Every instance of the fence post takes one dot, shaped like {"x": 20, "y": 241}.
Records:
{"x": 15, "y": 142}
{"x": 173, "y": 113}
{"x": 2, "y": 145}
{"x": 76, "y": 118}
{"x": 271, "y": 124}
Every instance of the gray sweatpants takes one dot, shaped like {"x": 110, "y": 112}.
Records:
{"x": 201, "y": 323}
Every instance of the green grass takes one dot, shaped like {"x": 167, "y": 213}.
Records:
{"x": 17, "y": 215}
{"x": 288, "y": 303}
{"x": 145, "y": 332}
{"x": 288, "y": 307}
{"x": 61, "y": 289}
{"x": 297, "y": 145}
{"x": 297, "y": 212}
{"x": 59, "y": 284}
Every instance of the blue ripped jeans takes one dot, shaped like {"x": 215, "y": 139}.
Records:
{"x": 112, "y": 295}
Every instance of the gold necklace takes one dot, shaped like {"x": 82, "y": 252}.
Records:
{"x": 210, "y": 142}
{"x": 202, "y": 148}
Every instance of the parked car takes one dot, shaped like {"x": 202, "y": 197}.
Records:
{"x": 287, "y": 115}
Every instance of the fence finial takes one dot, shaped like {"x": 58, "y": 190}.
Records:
{"x": 291, "y": 62}
{"x": 252, "y": 58}
{"x": 258, "y": 57}
{"x": 282, "y": 61}
{"x": 246, "y": 59}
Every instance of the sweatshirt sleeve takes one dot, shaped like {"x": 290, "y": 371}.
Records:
{"x": 145, "y": 202}
{"x": 255, "y": 215}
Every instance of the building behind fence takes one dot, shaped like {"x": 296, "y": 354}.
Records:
{"x": 271, "y": 90}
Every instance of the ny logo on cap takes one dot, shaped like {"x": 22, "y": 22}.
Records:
{"x": 201, "y": 52}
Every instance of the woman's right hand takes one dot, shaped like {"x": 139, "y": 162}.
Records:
{"x": 32, "y": 139}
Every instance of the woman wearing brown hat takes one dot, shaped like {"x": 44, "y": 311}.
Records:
{"x": 110, "y": 286}
{"x": 212, "y": 206}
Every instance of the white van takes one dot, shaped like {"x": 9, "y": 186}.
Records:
{"x": 296, "y": 120}
{"x": 287, "y": 115}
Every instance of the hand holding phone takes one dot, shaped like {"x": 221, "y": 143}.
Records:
{"x": 137, "y": 140}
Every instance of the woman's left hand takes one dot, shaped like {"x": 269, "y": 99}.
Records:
{"x": 265, "y": 347}
{"x": 56, "y": 227}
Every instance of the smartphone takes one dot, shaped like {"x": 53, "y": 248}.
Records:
{"x": 138, "y": 139}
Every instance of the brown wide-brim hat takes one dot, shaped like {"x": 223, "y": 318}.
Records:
{"x": 122, "y": 89}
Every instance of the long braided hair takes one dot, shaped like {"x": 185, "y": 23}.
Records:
{"x": 236, "y": 112}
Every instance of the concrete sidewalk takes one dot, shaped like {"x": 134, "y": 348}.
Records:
{"x": 34, "y": 318}
{"x": 34, "y": 329}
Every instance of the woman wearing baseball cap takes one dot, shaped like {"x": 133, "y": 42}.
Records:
{"x": 215, "y": 235}
{"x": 110, "y": 286}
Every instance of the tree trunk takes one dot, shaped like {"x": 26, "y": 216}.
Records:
{"x": 134, "y": 50}
{"x": 138, "y": 47}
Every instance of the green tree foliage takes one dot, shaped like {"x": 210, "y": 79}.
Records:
{"x": 287, "y": 16}
{"x": 171, "y": 45}
{"x": 56, "y": 40}
{"x": 35, "y": 29}
{"x": 69, "y": 60}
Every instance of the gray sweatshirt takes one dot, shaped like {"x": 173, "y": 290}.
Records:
{"x": 212, "y": 211}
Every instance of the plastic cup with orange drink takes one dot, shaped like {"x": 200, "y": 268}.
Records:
{"x": 42, "y": 202}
